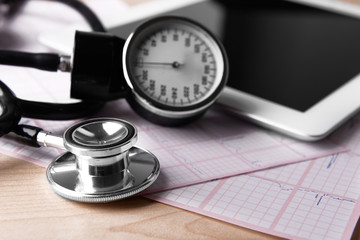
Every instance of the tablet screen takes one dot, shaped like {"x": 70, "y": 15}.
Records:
{"x": 288, "y": 53}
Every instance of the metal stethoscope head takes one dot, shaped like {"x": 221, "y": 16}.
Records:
{"x": 101, "y": 165}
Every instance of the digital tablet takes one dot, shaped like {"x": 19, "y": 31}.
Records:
{"x": 294, "y": 65}
{"x": 293, "y": 68}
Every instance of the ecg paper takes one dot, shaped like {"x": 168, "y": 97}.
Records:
{"x": 217, "y": 146}
{"x": 316, "y": 199}
{"x": 214, "y": 147}
{"x": 286, "y": 201}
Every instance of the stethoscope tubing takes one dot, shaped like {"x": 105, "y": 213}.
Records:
{"x": 50, "y": 62}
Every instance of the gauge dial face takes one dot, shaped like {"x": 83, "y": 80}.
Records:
{"x": 175, "y": 63}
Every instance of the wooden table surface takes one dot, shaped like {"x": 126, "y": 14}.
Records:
{"x": 30, "y": 210}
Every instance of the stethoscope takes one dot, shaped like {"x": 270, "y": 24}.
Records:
{"x": 170, "y": 70}
{"x": 101, "y": 163}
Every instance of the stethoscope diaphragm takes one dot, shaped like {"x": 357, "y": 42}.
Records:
{"x": 102, "y": 164}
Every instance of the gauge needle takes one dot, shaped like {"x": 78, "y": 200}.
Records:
{"x": 174, "y": 64}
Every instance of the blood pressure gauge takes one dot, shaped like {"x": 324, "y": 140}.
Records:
{"x": 174, "y": 69}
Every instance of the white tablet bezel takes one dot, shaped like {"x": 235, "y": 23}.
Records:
{"x": 315, "y": 123}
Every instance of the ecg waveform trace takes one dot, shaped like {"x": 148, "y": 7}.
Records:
{"x": 315, "y": 199}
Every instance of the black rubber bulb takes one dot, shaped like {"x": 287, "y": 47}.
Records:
{"x": 10, "y": 110}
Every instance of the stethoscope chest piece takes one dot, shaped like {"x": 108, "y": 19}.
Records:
{"x": 102, "y": 164}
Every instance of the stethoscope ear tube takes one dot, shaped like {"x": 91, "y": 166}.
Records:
{"x": 58, "y": 111}
{"x": 10, "y": 110}
{"x": 13, "y": 108}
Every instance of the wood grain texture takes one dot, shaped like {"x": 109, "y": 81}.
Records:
{"x": 30, "y": 210}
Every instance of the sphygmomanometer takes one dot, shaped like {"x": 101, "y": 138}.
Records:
{"x": 170, "y": 70}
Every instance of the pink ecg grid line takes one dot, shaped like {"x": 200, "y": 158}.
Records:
{"x": 315, "y": 199}
{"x": 214, "y": 147}
{"x": 219, "y": 146}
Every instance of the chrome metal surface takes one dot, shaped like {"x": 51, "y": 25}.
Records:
{"x": 99, "y": 138}
{"x": 46, "y": 139}
{"x": 65, "y": 63}
{"x": 2, "y": 110}
{"x": 102, "y": 165}
{"x": 70, "y": 178}
{"x": 101, "y": 133}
